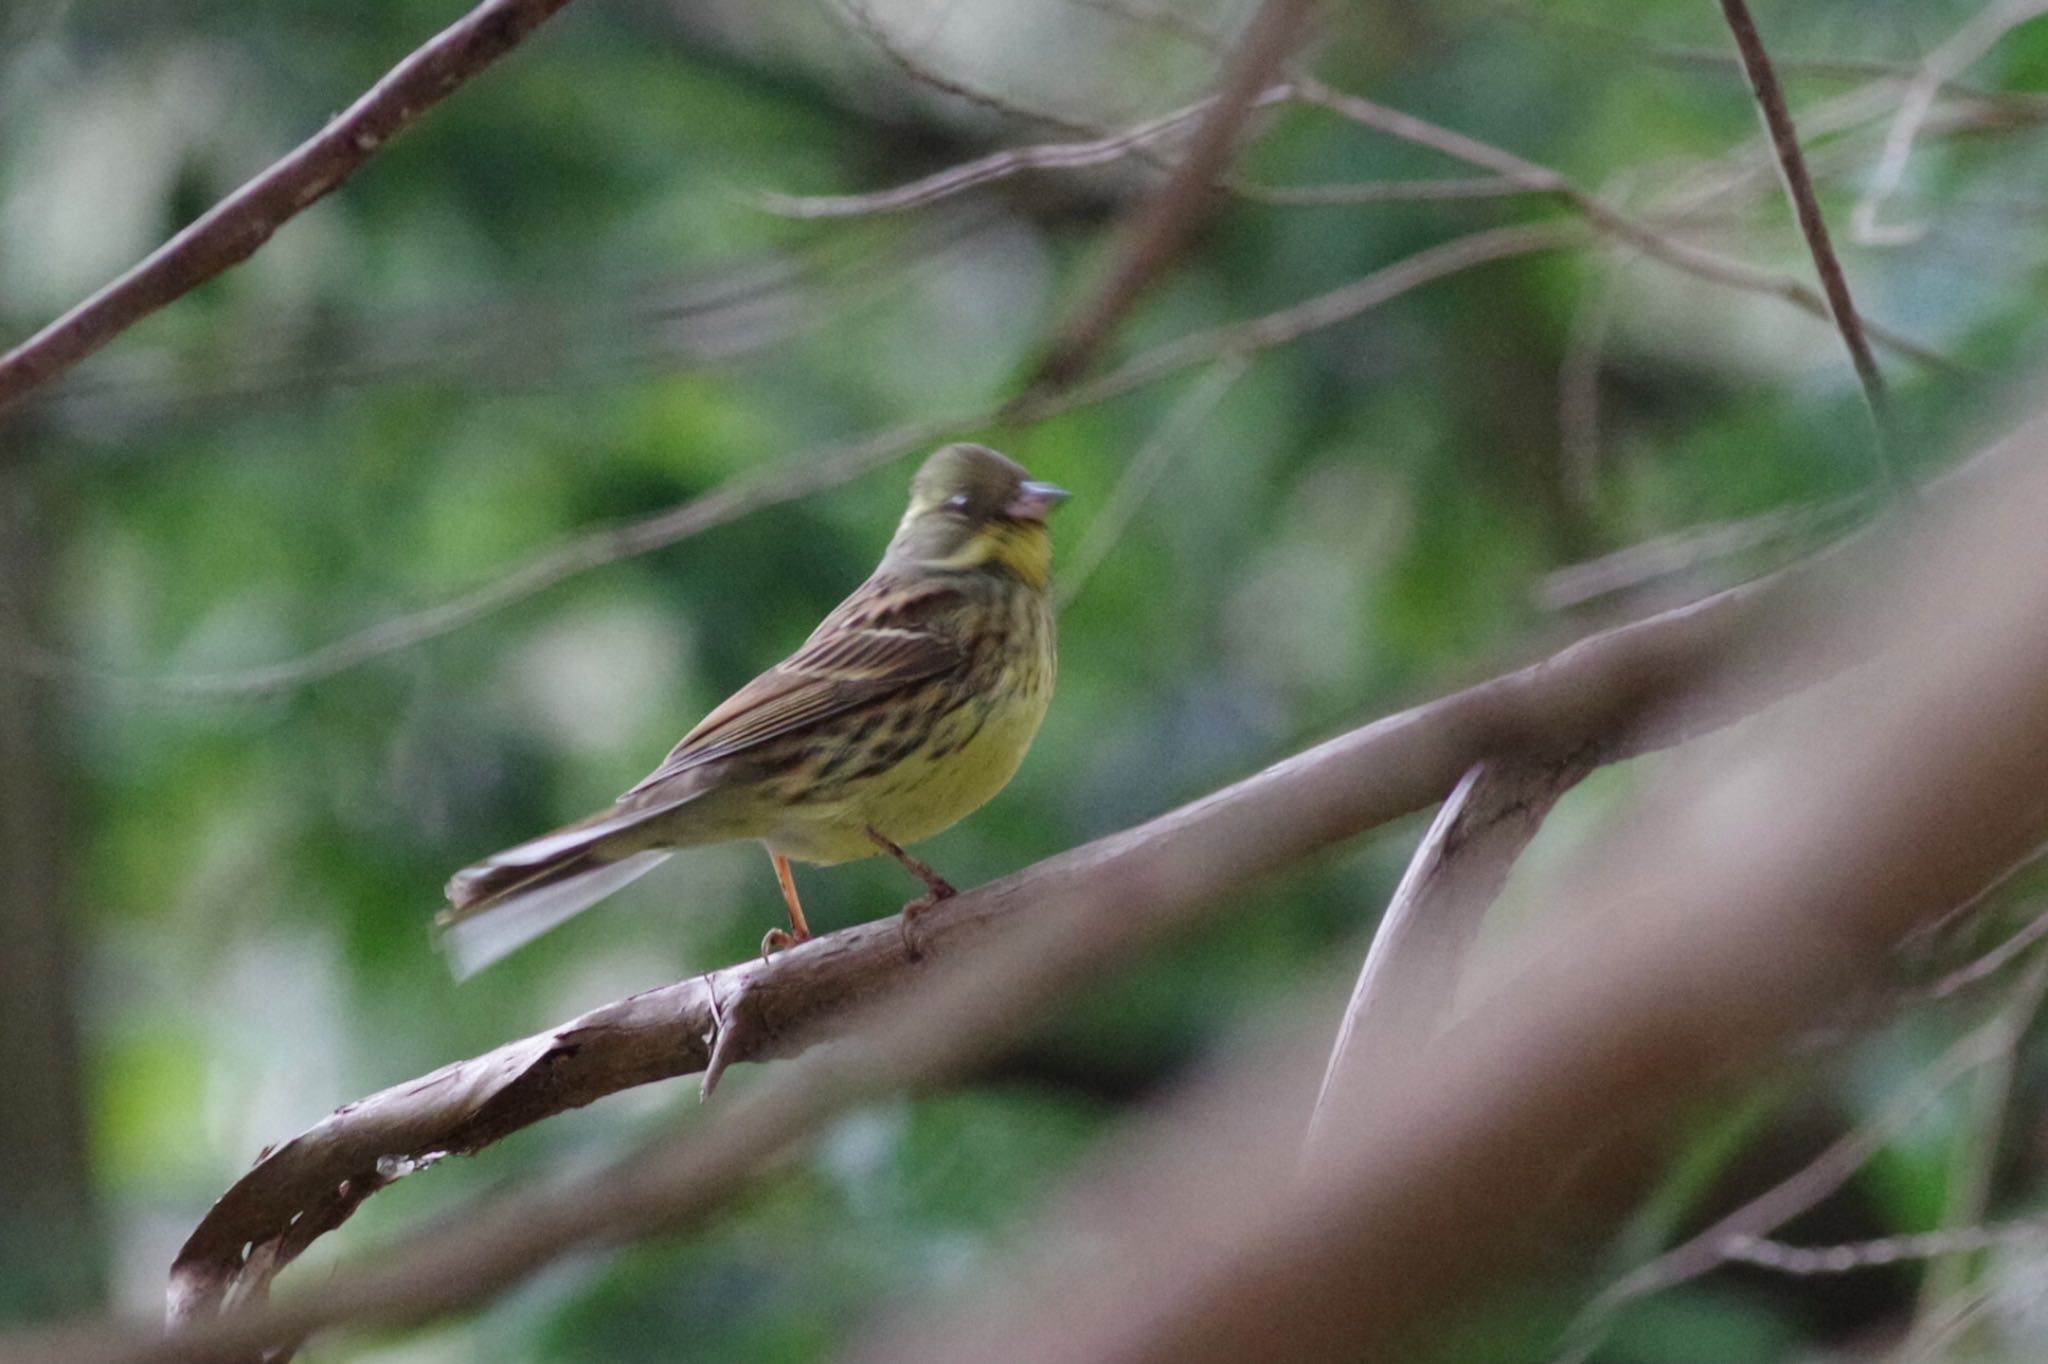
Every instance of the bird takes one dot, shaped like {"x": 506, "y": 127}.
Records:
{"x": 909, "y": 707}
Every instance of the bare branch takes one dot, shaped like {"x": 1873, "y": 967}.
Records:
{"x": 1410, "y": 976}
{"x": 1770, "y": 100}
{"x": 1992, "y": 962}
{"x": 1941, "y": 66}
{"x": 232, "y": 230}
{"x": 1888, "y": 1250}
{"x": 1541, "y": 179}
{"x": 991, "y": 168}
{"x": 1665, "y": 556}
{"x": 1156, "y": 236}
{"x": 1805, "y": 1188}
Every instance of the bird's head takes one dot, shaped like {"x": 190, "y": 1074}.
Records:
{"x": 971, "y": 508}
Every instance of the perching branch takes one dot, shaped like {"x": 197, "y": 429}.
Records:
{"x": 232, "y": 230}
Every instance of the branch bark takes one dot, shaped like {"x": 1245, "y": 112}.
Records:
{"x": 232, "y": 230}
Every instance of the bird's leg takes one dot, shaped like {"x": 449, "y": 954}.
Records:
{"x": 800, "y": 931}
{"x": 937, "y": 888}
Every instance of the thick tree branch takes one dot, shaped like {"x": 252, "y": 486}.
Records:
{"x": 232, "y": 230}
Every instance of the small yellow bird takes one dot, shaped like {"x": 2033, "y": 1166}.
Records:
{"x": 909, "y": 707}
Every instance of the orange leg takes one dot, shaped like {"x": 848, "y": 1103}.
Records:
{"x": 937, "y": 888}
{"x": 800, "y": 931}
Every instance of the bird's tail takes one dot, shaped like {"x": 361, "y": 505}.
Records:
{"x": 506, "y": 901}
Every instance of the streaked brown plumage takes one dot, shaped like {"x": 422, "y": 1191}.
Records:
{"x": 909, "y": 707}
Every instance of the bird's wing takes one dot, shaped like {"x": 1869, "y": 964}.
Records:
{"x": 881, "y": 639}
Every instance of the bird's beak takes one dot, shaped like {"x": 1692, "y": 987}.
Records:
{"x": 1034, "y": 500}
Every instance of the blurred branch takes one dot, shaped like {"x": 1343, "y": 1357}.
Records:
{"x": 52, "y": 1238}
{"x": 1888, "y": 1250}
{"x": 1958, "y": 54}
{"x": 1158, "y": 232}
{"x": 1770, "y": 100}
{"x": 998, "y": 166}
{"x": 1410, "y": 977}
{"x": 1864, "y": 69}
{"x": 1665, "y": 556}
{"x": 232, "y": 230}
{"x": 1803, "y": 1190}
{"x": 1973, "y": 1159}
{"x": 871, "y": 27}
{"x": 1142, "y": 474}
{"x": 1650, "y": 240}
{"x": 1991, "y": 963}
{"x": 793, "y": 479}
{"x": 1101, "y": 151}
{"x": 1611, "y": 693}
{"x": 1578, "y": 387}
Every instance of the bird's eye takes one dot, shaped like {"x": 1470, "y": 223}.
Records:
{"x": 958, "y": 502}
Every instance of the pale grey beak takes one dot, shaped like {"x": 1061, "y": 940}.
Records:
{"x": 1034, "y": 500}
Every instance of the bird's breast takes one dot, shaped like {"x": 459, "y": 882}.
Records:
{"x": 926, "y": 758}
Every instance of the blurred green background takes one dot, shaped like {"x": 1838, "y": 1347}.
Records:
{"x": 556, "y": 303}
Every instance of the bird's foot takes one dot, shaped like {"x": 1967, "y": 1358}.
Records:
{"x": 780, "y": 940}
{"x": 911, "y": 947}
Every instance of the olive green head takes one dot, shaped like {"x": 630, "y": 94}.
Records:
{"x": 972, "y": 509}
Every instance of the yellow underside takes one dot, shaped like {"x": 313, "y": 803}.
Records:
{"x": 918, "y": 797}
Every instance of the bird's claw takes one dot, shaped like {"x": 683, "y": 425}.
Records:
{"x": 779, "y": 940}
{"x": 911, "y": 911}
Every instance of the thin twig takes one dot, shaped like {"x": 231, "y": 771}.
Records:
{"x": 1961, "y": 51}
{"x": 1804, "y": 1189}
{"x": 1161, "y": 228}
{"x": 1887, "y": 1250}
{"x": 1146, "y": 468}
{"x": 1770, "y": 99}
{"x": 1665, "y": 556}
{"x": 1000, "y": 166}
{"x": 233, "y": 229}
{"x": 1991, "y": 963}
{"x": 1973, "y": 1158}
{"x": 1541, "y": 179}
